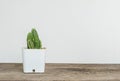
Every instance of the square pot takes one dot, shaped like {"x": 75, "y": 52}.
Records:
{"x": 34, "y": 60}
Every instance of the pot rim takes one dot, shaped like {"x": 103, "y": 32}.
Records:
{"x": 43, "y": 48}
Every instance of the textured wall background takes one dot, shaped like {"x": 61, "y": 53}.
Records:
{"x": 74, "y": 31}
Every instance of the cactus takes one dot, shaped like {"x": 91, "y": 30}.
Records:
{"x": 33, "y": 41}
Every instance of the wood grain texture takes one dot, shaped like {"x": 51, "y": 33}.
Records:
{"x": 63, "y": 72}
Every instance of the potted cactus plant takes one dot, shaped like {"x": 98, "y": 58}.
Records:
{"x": 34, "y": 54}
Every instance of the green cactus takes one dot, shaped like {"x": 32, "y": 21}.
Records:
{"x": 33, "y": 41}
{"x": 30, "y": 44}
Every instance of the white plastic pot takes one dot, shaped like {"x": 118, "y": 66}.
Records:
{"x": 34, "y": 60}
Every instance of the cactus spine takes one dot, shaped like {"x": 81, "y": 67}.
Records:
{"x": 33, "y": 41}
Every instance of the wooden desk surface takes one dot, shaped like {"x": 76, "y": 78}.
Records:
{"x": 63, "y": 72}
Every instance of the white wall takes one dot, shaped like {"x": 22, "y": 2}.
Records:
{"x": 74, "y": 31}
